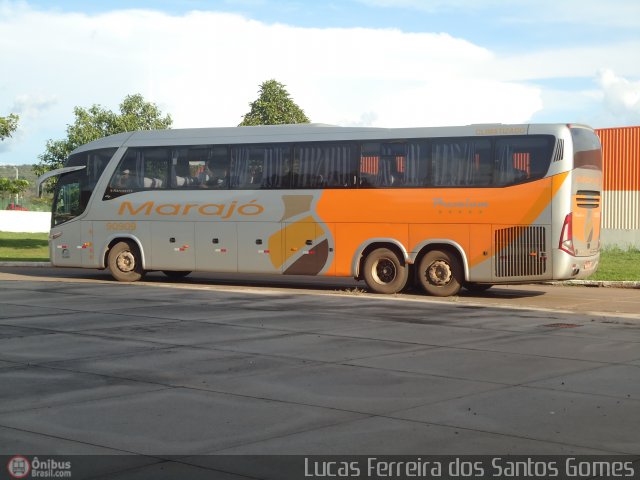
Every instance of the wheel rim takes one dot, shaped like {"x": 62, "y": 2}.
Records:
{"x": 439, "y": 273}
{"x": 126, "y": 262}
{"x": 385, "y": 271}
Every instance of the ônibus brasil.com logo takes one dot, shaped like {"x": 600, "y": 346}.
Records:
{"x": 19, "y": 467}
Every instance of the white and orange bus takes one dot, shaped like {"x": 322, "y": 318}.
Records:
{"x": 443, "y": 208}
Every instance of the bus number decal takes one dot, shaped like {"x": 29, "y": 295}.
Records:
{"x": 119, "y": 226}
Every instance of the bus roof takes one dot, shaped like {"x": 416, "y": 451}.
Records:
{"x": 303, "y": 133}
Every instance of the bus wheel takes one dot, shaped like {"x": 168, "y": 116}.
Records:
{"x": 477, "y": 287}
{"x": 125, "y": 263}
{"x": 176, "y": 274}
{"x": 384, "y": 272}
{"x": 440, "y": 273}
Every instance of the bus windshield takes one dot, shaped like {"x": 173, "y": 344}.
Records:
{"x": 74, "y": 189}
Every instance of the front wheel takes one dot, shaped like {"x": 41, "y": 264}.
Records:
{"x": 384, "y": 272}
{"x": 125, "y": 262}
{"x": 440, "y": 273}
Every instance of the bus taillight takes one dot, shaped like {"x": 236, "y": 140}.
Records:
{"x": 566, "y": 237}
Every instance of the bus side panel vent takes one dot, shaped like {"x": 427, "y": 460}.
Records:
{"x": 520, "y": 252}
{"x": 558, "y": 152}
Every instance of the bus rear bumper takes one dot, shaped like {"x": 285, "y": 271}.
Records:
{"x": 568, "y": 267}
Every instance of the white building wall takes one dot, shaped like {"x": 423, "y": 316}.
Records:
{"x": 19, "y": 221}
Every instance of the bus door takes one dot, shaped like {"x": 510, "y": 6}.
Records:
{"x": 173, "y": 246}
{"x": 260, "y": 247}
{"x": 216, "y": 246}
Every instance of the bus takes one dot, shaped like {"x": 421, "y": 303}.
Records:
{"x": 442, "y": 208}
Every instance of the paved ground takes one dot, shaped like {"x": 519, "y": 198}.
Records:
{"x": 90, "y": 366}
{"x": 587, "y": 300}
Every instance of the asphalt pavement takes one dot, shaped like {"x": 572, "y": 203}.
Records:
{"x": 209, "y": 367}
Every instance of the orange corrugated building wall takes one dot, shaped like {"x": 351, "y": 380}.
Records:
{"x": 621, "y": 189}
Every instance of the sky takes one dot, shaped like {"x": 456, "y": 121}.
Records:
{"x": 380, "y": 63}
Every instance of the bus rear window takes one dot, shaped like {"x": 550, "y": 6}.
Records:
{"x": 587, "y": 152}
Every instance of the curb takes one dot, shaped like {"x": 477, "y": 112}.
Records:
{"x": 597, "y": 283}
{"x": 25, "y": 264}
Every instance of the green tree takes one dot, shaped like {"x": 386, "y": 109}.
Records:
{"x": 274, "y": 106}
{"x": 97, "y": 122}
{"x": 13, "y": 187}
{"x": 4, "y": 189}
{"x": 8, "y": 125}
{"x": 18, "y": 186}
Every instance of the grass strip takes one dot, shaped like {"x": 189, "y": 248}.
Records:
{"x": 24, "y": 247}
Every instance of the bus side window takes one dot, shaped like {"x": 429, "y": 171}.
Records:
{"x": 394, "y": 164}
{"x": 327, "y": 165}
{"x": 210, "y": 167}
{"x": 415, "y": 167}
{"x": 266, "y": 167}
{"x": 482, "y": 164}
{"x": 520, "y": 159}
{"x": 461, "y": 163}
{"x": 139, "y": 169}
{"x": 180, "y": 169}
{"x": 155, "y": 168}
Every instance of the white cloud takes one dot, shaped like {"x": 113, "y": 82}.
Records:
{"x": 612, "y": 13}
{"x": 32, "y": 106}
{"x": 621, "y": 97}
{"x": 205, "y": 67}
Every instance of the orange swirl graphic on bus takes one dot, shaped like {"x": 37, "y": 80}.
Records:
{"x": 301, "y": 247}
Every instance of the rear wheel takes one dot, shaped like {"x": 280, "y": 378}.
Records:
{"x": 176, "y": 274}
{"x": 125, "y": 262}
{"x": 440, "y": 273}
{"x": 384, "y": 272}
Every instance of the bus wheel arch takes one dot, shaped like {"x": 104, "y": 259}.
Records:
{"x": 440, "y": 269}
{"x": 124, "y": 259}
{"x": 384, "y": 267}
{"x": 366, "y": 248}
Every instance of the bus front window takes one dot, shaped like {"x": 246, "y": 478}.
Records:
{"x": 74, "y": 189}
{"x": 67, "y": 204}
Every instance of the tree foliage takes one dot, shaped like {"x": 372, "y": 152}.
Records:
{"x": 8, "y": 125}
{"x": 274, "y": 106}
{"x": 12, "y": 187}
{"x": 97, "y": 122}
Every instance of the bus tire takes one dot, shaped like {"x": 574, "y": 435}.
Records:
{"x": 176, "y": 274}
{"x": 125, "y": 262}
{"x": 384, "y": 272}
{"x": 477, "y": 287}
{"x": 440, "y": 273}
